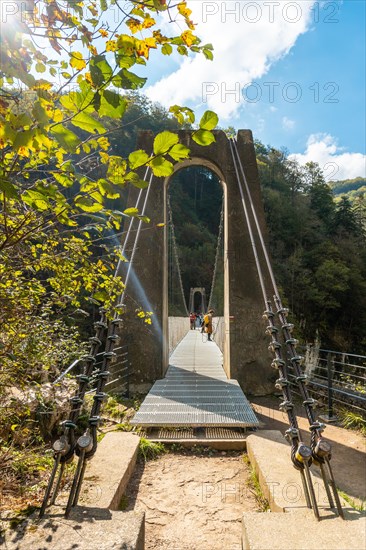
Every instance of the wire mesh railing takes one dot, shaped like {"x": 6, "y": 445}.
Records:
{"x": 337, "y": 380}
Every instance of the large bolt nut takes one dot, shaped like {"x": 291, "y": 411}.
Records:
{"x": 323, "y": 448}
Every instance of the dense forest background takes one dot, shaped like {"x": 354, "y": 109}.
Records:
{"x": 316, "y": 234}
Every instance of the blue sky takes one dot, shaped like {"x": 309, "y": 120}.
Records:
{"x": 310, "y": 50}
{"x": 306, "y": 50}
{"x": 332, "y": 55}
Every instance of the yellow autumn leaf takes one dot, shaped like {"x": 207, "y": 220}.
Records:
{"x": 148, "y": 22}
{"x": 77, "y": 61}
{"x": 57, "y": 115}
{"x": 134, "y": 25}
{"x": 23, "y": 152}
{"x": 188, "y": 38}
{"x": 103, "y": 142}
{"x": 184, "y": 10}
{"x": 111, "y": 46}
{"x": 151, "y": 42}
{"x": 142, "y": 49}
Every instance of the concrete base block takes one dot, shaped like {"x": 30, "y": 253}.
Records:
{"x": 96, "y": 523}
{"x": 109, "y": 472}
{"x": 87, "y": 529}
{"x": 270, "y": 455}
{"x": 328, "y": 419}
{"x": 267, "y": 531}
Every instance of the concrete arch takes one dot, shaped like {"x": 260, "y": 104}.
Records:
{"x": 197, "y": 290}
{"x": 246, "y": 357}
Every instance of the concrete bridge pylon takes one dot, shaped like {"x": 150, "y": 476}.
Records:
{"x": 244, "y": 344}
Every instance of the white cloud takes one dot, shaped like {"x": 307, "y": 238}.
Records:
{"x": 248, "y": 37}
{"x": 334, "y": 161}
{"x": 287, "y": 123}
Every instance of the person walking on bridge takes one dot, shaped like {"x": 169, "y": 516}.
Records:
{"x": 208, "y": 323}
{"x": 192, "y": 320}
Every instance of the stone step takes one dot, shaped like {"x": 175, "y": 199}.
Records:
{"x": 301, "y": 531}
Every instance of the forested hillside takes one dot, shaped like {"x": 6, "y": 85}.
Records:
{"x": 354, "y": 190}
{"x": 318, "y": 248}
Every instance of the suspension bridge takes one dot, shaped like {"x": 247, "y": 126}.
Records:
{"x": 201, "y": 387}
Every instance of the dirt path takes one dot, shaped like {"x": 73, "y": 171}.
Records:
{"x": 192, "y": 502}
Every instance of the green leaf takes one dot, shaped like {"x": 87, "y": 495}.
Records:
{"x": 39, "y": 113}
{"x": 138, "y": 158}
{"x": 209, "y": 120}
{"x": 182, "y": 114}
{"x": 125, "y": 61}
{"x": 63, "y": 179}
{"x": 24, "y": 138}
{"x": 182, "y": 50}
{"x": 179, "y": 152}
{"x": 100, "y": 70}
{"x": 131, "y": 212}
{"x": 40, "y": 68}
{"x": 126, "y": 45}
{"x": 166, "y": 49}
{"x": 161, "y": 167}
{"x": 112, "y": 105}
{"x": 101, "y": 295}
{"x": 164, "y": 141}
{"x": 36, "y": 200}
{"x": 88, "y": 123}
{"x": 203, "y": 137}
{"x": 8, "y": 188}
{"x": 87, "y": 204}
{"x": 107, "y": 189}
{"x": 133, "y": 178}
{"x": 127, "y": 80}
{"x": 75, "y": 101}
{"x": 208, "y": 54}
{"x": 67, "y": 139}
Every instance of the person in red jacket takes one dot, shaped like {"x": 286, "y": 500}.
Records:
{"x": 192, "y": 320}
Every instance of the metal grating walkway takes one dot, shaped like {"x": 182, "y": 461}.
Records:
{"x": 195, "y": 391}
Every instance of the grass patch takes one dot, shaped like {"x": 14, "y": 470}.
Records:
{"x": 352, "y": 421}
{"x": 150, "y": 450}
{"x": 255, "y": 488}
{"x": 355, "y": 505}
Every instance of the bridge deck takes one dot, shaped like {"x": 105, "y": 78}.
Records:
{"x": 195, "y": 391}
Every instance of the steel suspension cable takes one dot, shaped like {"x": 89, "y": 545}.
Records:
{"x": 219, "y": 238}
{"x": 176, "y": 257}
{"x": 130, "y": 225}
{"x": 137, "y": 236}
{"x": 87, "y": 443}
{"x": 259, "y": 231}
{"x": 249, "y": 225}
{"x": 320, "y": 450}
{"x": 66, "y": 446}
